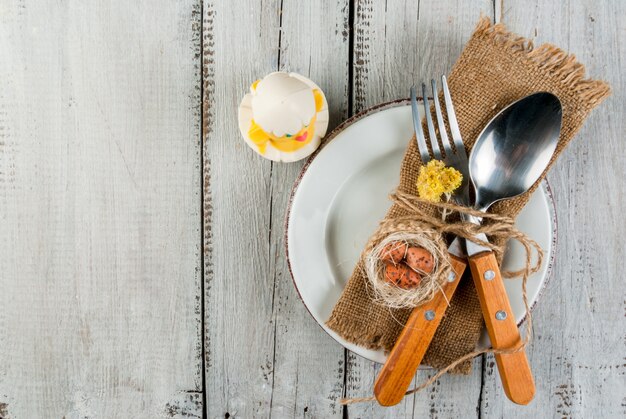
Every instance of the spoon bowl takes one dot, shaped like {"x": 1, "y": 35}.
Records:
{"x": 515, "y": 148}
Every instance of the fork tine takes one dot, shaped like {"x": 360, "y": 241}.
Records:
{"x": 419, "y": 132}
{"x": 442, "y": 127}
{"x": 431, "y": 129}
{"x": 454, "y": 125}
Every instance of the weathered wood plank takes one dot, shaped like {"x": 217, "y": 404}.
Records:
{"x": 578, "y": 352}
{"x": 397, "y": 44}
{"x": 99, "y": 209}
{"x": 240, "y": 44}
{"x": 288, "y": 366}
{"x": 308, "y": 370}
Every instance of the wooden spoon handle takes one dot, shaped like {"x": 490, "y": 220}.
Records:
{"x": 405, "y": 357}
{"x": 515, "y": 373}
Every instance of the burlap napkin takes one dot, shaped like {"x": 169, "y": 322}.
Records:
{"x": 496, "y": 68}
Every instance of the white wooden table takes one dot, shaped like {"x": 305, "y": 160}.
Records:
{"x": 142, "y": 271}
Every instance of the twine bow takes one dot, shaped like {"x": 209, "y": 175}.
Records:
{"x": 495, "y": 226}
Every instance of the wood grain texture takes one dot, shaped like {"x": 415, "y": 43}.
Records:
{"x": 101, "y": 193}
{"x": 240, "y": 43}
{"x": 406, "y": 356}
{"x": 100, "y": 209}
{"x": 578, "y": 350}
{"x": 279, "y": 362}
{"x": 396, "y": 44}
{"x": 515, "y": 373}
{"x": 308, "y": 367}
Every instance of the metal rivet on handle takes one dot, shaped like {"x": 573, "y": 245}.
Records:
{"x": 501, "y": 315}
{"x": 429, "y": 315}
{"x": 489, "y": 275}
{"x": 451, "y": 276}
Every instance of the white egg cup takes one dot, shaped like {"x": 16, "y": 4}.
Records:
{"x": 282, "y": 108}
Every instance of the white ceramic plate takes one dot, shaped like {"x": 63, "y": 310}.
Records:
{"x": 342, "y": 195}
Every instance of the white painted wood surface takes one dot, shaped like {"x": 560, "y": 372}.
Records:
{"x": 100, "y": 209}
{"x": 108, "y": 210}
{"x": 253, "y": 314}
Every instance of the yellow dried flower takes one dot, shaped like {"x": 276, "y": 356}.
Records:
{"x": 435, "y": 179}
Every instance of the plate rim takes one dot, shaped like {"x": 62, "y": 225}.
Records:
{"x": 331, "y": 136}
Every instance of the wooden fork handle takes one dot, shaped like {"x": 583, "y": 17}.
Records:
{"x": 405, "y": 357}
{"x": 515, "y": 373}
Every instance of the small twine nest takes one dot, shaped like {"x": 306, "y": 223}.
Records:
{"x": 414, "y": 234}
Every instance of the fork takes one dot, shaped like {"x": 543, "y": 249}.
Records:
{"x": 407, "y": 354}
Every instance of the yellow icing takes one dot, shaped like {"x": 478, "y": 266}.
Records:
{"x": 285, "y": 143}
{"x": 319, "y": 100}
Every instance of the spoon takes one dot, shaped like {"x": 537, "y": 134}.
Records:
{"x": 508, "y": 158}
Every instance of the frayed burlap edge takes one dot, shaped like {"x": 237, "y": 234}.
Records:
{"x": 548, "y": 58}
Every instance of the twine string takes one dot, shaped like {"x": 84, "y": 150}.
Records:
{"x": 496, "y": 226}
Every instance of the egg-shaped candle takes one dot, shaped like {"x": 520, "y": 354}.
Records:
{"x": 283, "y": 117}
